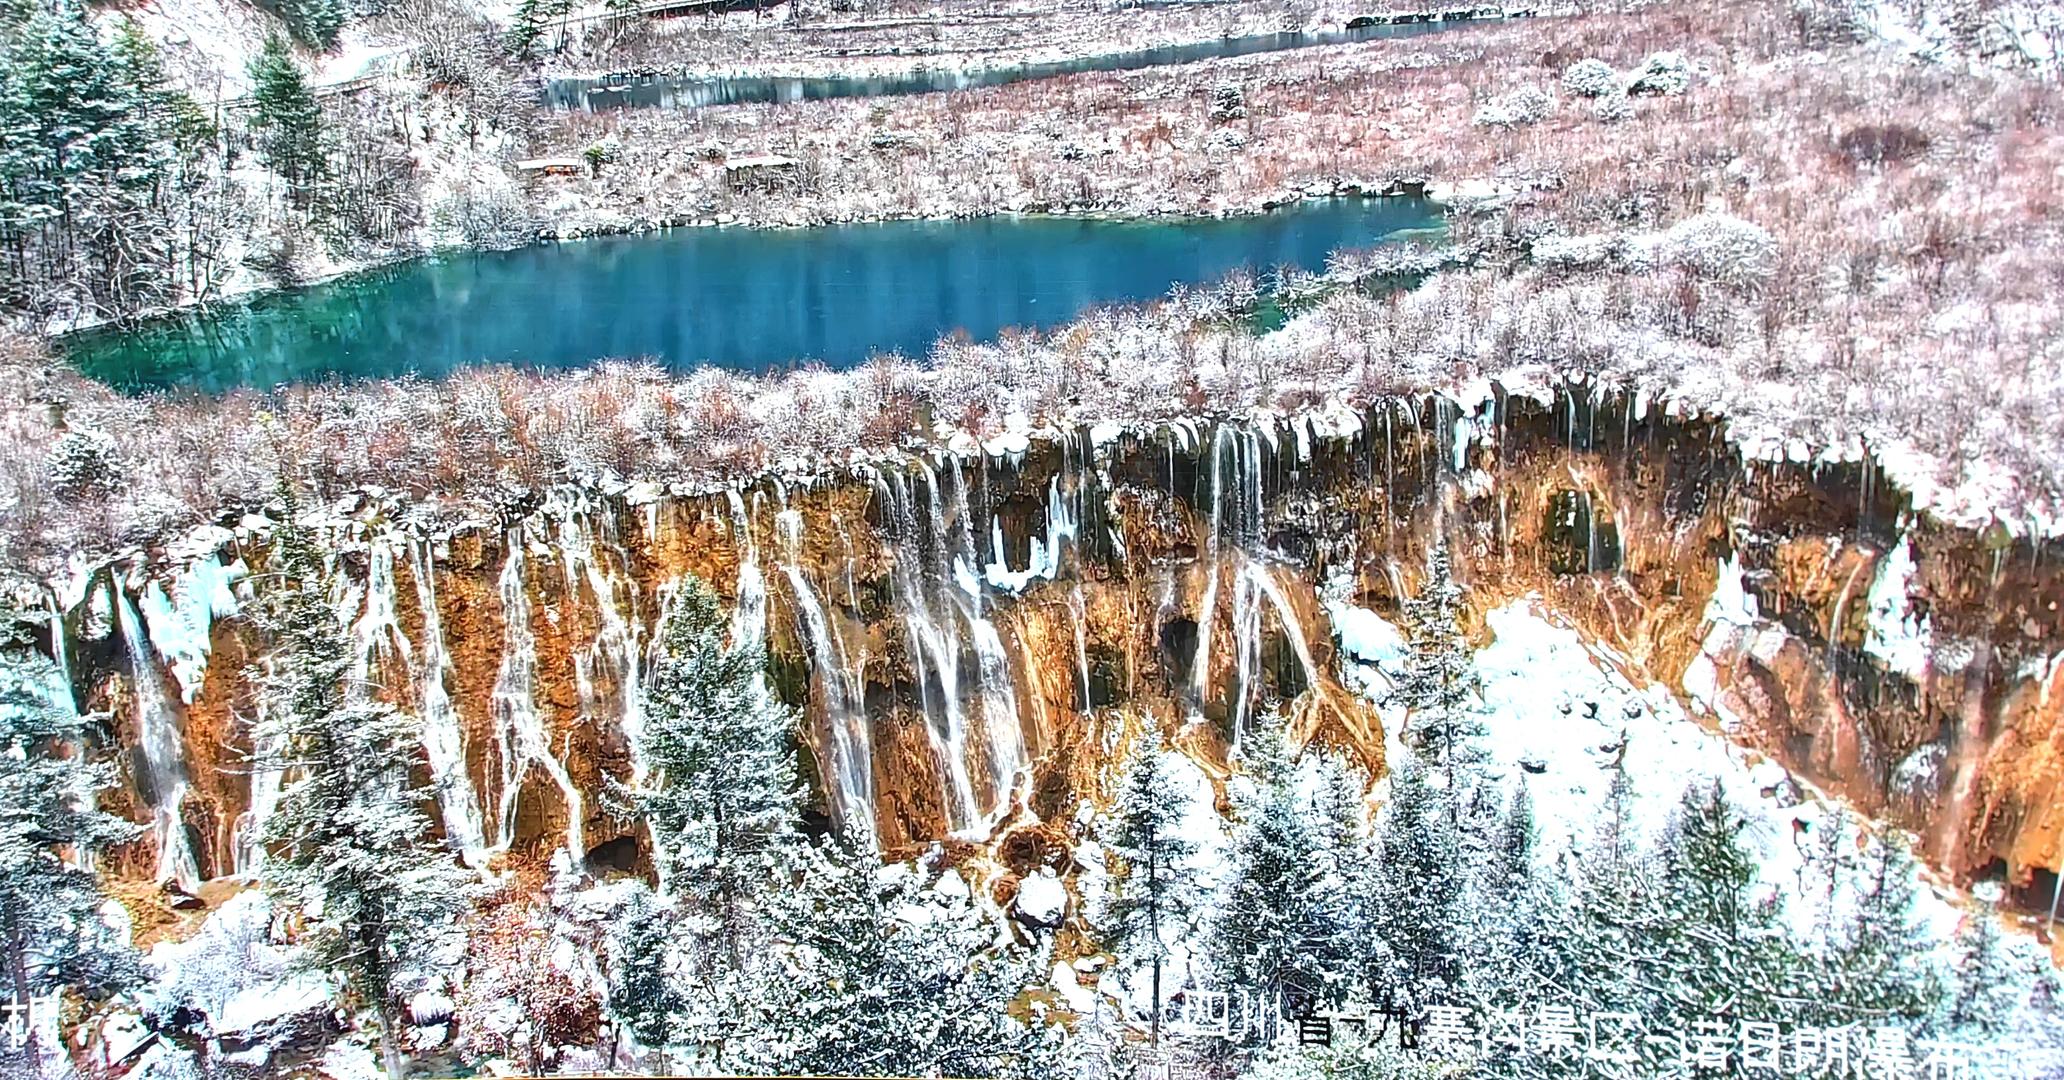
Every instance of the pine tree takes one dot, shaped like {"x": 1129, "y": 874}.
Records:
{"x": 1419, "y": 887}
{"x": 527, "y": 28}
{"x": 52, "y": 937}
{"x": 1271, "y": 936}
{"x": 349, "y": 841}
{"x": 314, "y": 23}
{"x": 288, "y": 122}
{"x": 718, "y": 792}
{"x": 1439, "y": 683}
{"x": 645, "y": 994}
{"x": 1713, "y": 947}
{"x": 1985, "y": 987}
{"x": 1881, "y": 961}
{"x": 1153, "y": 888}
{"x": 877, "y": 972}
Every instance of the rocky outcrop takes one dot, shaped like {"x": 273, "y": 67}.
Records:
{"x": 970, "y": 634}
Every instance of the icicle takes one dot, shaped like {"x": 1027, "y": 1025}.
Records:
{"x": 443, "y": 743}
{"x": 164, "y": 751}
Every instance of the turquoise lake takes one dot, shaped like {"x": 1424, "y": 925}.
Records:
{"x": 744, "y": 298}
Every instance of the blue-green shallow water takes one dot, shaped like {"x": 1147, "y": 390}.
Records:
{"x": 741, "y": 298}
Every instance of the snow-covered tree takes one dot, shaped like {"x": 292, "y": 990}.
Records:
{"x": 349, "y": 842}
{"x": 1662, "y": 73}
{"x": 1986, "y": 985}
{"x": 1420, "y": 876}
{"x": 1439, "y": 682}
{"x": 1714, "y": 947}
{"x": 1275, "y": 934}
{"x": 717, "y": 787}
{"x": 1153, "y": 888}
{"x": 1881, "y": 956}
{"x": 52, "y": 937}
{"x": 1519, "y": 108}
{"x": 288, "y": 121}
{"x": 1590, "y": 78}
{"x": 877, "y": 970}
{"x": 646, "y": 976}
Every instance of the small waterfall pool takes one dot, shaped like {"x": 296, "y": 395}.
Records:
{"x": 648, "y": 91}
{"x": 743, "y": 298}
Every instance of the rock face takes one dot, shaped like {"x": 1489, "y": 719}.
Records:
{"x": 968, "y": 634}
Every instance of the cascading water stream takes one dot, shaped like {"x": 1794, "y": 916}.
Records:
{"x": 836, "y": 684}
{"x": 606, "y": 668}
{"x": 934, "y": 650}
{"x": 163, "y": 759}
{"x": 443, "y": 743}
{"x": 520, "y": 734}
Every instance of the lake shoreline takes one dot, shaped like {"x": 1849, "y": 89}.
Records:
{"x": 61, "y": 339}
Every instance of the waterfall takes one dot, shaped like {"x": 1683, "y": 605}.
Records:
{"x": 836, "y": 683}
{"x": 163, "y": 757}
{"x": 749, "y": 613}
{"x": 443, "y": 743}
{"x": 519, "y": 731}
{"x": 933, "y": 650}
{"x": 606, "y": 667}
{"x": 376, "y": 633}
{"x": 247, "y": 854}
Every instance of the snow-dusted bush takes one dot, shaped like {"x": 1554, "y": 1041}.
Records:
{"x": 1662, "y": 73}
{"x": 1228, "y": 102}
{"x": 81, "y": 465}
{"x": 1573, "y": 252}
{"x": 1526, "y": 105}
{"x": 1590, "y": 78}
{"x": 1722, "y": 248}
{"x": 1613, "y": 108}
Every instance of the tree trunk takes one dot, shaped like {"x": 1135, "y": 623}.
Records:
{"x": 390, "y": 1045}
{"x": 1157, "y": 999}
{"x": 18, "y": 961}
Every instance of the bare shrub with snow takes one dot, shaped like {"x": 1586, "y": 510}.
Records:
{"x": 1722, "y": 248}
{"x": 1519, "y": 108}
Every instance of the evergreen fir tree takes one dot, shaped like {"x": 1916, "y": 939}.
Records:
{"x": 1420, "y": 875}
{"x": 1985, "y": 986}
{"x": 1439, "y": 682}
{"x": 718, "y": 792}
{"x": 349, "y": 841}
{"x": 1153, "y": 888}
{"x": 1881, "y": 962}
{"x": 645, "y": 978}
{"x": 314, "y": 23}
{"x": 532, "y": 18}
{"x": 877, "y": 972}
{"x": 288, "y": 122}
{"x": 1712, "y": 947}
{"x": 1273, "y": 935}
{"x": 52, "y": 938}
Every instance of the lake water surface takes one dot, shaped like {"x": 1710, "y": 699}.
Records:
{"x": 743, "y": 298}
